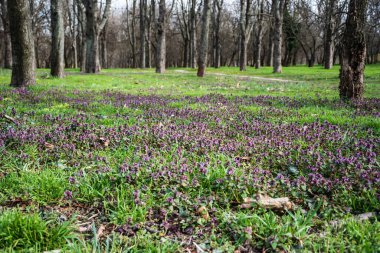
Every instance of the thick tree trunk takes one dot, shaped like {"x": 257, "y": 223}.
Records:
{"x": 161, "y": 43}
{"x": 93, "y": 29}
{"x": 203, "y": 49}
{"x": 58, "y": 39}
{"x": 329, "y": 34}
{"x": 23, "y": 69}
{"x": 278, "y": 11}
{"x": 7, "y": 36}
{"x": 353, "y": 52}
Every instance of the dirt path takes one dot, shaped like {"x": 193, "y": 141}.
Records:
{"x": 245, "y": 77}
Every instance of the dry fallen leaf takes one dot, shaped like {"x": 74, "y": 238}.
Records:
{"x": 48, "y": 146}
{"x": 202, "y": 211}
{"x": 268, "y": 202}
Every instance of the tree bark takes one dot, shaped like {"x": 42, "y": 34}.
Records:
{"x": 23, "y": 69}
{"x": 331, "y": 7}
{"x": 7, "y": 36}
{"x": 203, "y": 49}
{"x": 193, "y": 34}
{"x": 93, "y": 29}
{"x": 142, "y": 34}
{"x": 259, "y": 35}
{"x": 246, "y": 26}
{"x": 278, "y": 11}
{"x": 58, "y": 39}
{"x": 353, "y": 52}
{"x": 161, "y": 43}
{"x": 217, "y": 9}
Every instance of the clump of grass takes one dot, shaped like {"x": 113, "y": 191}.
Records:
{"x": 19, "y": 231}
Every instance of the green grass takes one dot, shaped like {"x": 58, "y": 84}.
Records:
{"x": 98, "y": 150}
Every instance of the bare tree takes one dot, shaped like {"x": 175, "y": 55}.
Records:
{"x": 330, "y": 25}
{"x": 193, "y": 33}
{"x": 259, "y": 33}
{"x": 353, "y": 52}
{"x": 23, "y": 69}
{"x": 57, "y": 39}
{"x": 7, "y": 37}
{"x": 278, "y": 10}
{"x": 246, "y": 25}
{"x": 93, "y": 29}
{"x": 203, "y": 48}
{"x": 131, "y": 26}
{"x": 143, "y": 9}
{"x": 82, "y": 34}
{"x": 216, "y": 24}
{"x": 161, "y": 43}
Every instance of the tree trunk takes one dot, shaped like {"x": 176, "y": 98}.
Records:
{"x": 161, "y": 43}
{"x": 93, "y": 29}
{"x": 259, "y": 36}
{"x": 193, "y": 34}
{"x": 353, "y": 52}
{"x": 142, "y": 34}
{"x": 82, "y": 35}
{"x": 104, "y": 53}
{"x": 58, "y": 39}
{"x": 329, "y": 34}
{"x": 203, "y": 49}
{"x": 217, "y": 9}
{"x": 7, "y": 36}
{"x": 23, "y": 69}
{"x": 245, "y": 31}
{"x": 278, "y": 11}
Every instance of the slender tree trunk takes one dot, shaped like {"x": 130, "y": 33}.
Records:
{"x": 57, "y": 61}
{"x": 74, "y": 35}
{"x": 259, "y": 36}
{"x": 23, "y": 69}
{"x": 151, "y": 18}
{"x": 161, "y": 43}
{"x": 217, "y": 9}
{"x": 203, "y": 50}
{"x": 329, "y": 34}
{"x": 82, "y": 35}
{"x": 7, "y": 36}
{"x": 193, "y": 34}
{"x": 278, "y": 6}
{"x": 104, "y": 52}
{"x": 353, "y": 52}
{"x": 142, "y": 34}
{"x": 245, "y": 31}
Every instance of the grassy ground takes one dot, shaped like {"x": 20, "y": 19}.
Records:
{"x": 131, "y": 161}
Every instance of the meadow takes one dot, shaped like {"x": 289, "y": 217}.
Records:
{"x": 132, "y": 161}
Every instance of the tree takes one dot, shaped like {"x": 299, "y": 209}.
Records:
{"x": 23, "y": 69}
{"x": 259, "y": 33}
{"x": 353, "y": 52}
{"x": 216, "y": 23}
{"x": 58, "y": 39}
{"x": 203, "y": 48}
{"x": 93, "y": 30}
{"x": 246, "y": 26}
{"x": 278, "y": 10}
{"x": 330, "y": 25}
{"x": 143, "y": 9}
{"x": 193, "y": 33}
{"x": 161, "y": 43}
{"x": 7, "y": 37}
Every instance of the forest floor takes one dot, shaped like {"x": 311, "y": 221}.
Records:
{"x": 132, "y": 161}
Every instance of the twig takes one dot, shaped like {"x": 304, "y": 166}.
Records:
{"x": 9, "y": 118}
{"x": 199, "y": 249}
